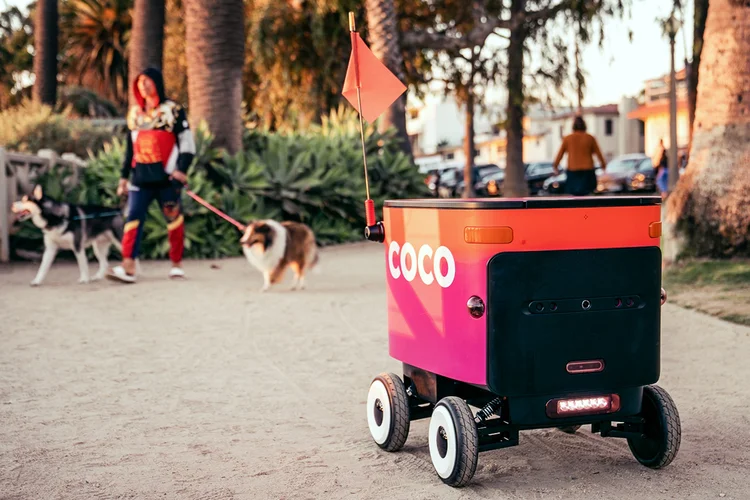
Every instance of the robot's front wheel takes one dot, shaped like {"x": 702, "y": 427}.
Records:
{"x": 661, "y": 429}
{"x": 388, "y": 411}
{"x": 453, "y": 440}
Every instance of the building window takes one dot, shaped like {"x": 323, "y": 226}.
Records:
{"x": 608, "y": 125}
{"x": 449, "y": 156}
{"x": 642, "y": 127}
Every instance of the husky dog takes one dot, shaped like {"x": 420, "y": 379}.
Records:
{"x": 272, "y": 246}
{"x": 71, "y": 227}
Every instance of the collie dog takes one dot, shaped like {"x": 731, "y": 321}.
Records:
{"x": 272, "y": 247}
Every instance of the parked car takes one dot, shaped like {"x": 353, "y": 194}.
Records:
{"x": 436, "y": 174}
{"x": 491, "y": 185}
{"x": 644, "y": 177}
{"x": 619, "y": 172}
{"x": 536, "y": 174}
{"x": 556, "y": 184}
{"x": 480, "y": 173}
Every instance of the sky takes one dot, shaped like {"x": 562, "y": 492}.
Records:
{"x": 620, "y": 67}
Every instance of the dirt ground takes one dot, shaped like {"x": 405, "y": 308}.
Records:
{"x": 207, "y": 389}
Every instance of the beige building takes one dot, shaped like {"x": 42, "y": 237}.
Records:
{"x": 654, "y": 113}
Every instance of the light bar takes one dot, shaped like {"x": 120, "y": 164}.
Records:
{"x": 561, "y": 408}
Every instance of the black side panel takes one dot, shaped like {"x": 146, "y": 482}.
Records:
{"x": 548, "y": 309}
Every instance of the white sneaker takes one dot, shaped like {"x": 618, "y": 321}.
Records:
{"x": 176, "y": 272}
{"x": 118, "y": 273}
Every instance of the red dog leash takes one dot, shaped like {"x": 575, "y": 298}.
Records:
{"x": 215, "y": 210}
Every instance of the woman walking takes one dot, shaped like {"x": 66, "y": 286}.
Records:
{"x": 662, "y": 170}
{"x": 581, "y": 148}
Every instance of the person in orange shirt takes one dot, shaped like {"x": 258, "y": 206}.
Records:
{"x": 581, "y": 148}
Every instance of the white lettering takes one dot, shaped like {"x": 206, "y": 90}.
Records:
{"x": 409, "y": 272}
{"x": 446, "y": 279}
{"x": 417, "y": 264}
{"x": 427, "y": 277}
{"x": 395, "y": 271}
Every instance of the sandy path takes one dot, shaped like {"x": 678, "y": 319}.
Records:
{"x": 206, "y": 389}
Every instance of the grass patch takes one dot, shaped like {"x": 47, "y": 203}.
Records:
{"x": 717, "y": 287}
{"x": 710, "y": 272}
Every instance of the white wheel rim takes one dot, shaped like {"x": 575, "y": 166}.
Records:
{"x": 441, "y": 419}
{"x": 378, "y": 397}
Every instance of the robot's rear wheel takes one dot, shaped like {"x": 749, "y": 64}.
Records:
{"x": 661, "y": 428}
{"x": 388, "y": 412}
{"x": 454, "y": 442}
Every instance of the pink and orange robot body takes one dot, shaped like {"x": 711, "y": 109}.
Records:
{"x": 538, "y": 312}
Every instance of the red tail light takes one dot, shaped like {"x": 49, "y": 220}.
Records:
{"x": 560, "y": 408}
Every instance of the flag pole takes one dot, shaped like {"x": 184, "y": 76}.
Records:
{"x": 369, "y": 204}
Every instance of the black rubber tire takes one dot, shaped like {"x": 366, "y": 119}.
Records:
{"x": 399, "y": 404}
{"x": 467, "y": 441}
{"x": 570, "y": 429}
{"x": 662, "y": 429}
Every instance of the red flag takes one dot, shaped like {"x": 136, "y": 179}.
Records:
{"x": 378, "y": 86}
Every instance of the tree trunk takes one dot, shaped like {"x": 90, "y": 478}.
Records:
{"x": 673, "y": 167}
{"x": 146, "y": 40}
{"x": 382, "y": 28}
{"x": 709, "y": 208}
{"x": 699, "y": 25}
{"x": 579, "y": 73}
{"x": 45, "y": 48}
{"x": 215, "y": 34}
{"x": 469, "y": 145}
{"x": 515, "y": 180}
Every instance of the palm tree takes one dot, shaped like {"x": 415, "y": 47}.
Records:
{"x": 16, "y": 37}
{"x": 146, "y": 46}
{"x": 45, "y": 52}
{"x": 97, "y": 37}
{"x": 710, "y": 204}
{"x": 700, "y": 9}
{"x": 215, "y": 34}
{"x": 382, "y": 27}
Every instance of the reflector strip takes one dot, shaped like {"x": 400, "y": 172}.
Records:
{"x": 654, "y": 229}
{"x": 585, "y": 366}
{"x": 483, "y": 235}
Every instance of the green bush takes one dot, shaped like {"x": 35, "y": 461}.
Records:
{"x": 31, "y": 126}
{"x": 315, "y": 176}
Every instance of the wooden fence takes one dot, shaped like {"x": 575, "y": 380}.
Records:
{"x": 18, "y": 174}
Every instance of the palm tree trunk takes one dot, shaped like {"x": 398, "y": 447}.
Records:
{"x": 709, "y": 206}
{"x": 215, "y": 33}
{"x": 469, "y": 144}
{"x": 146, "y": 40}
{"x": 515, "y": 181}
{"x": 45, "y": 48}
{"x": 382, "y": 26}
{"x": 699, "y": 26}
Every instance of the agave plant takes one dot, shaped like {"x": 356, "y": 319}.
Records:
{"x": 314, "y": 176}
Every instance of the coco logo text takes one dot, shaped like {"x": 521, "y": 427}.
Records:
{"x": 425, "y": 263}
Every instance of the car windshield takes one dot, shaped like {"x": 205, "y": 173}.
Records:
{"x": 645, "y": 166}
{"x": 485, "y": 170}
{"x": 623, "y": 165}
{"x": 539, "y": 169}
